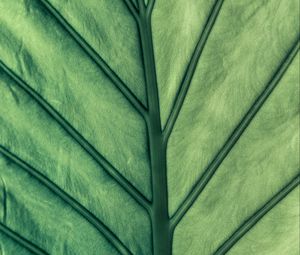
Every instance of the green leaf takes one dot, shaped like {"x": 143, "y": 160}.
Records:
{"x": 149, "y": 127}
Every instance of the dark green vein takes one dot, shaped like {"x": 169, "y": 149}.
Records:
{"x": 150, "y": 7}
{"x": 134, "y": 2}
{"x": 250, "y": 222}
{"x": 99, "y": 225}
{"x": 185, "y": 84}
{"x": 21, "y": 240}
{"x": 114, "y": 173}
{"x": 97, "y": 59}
{"x": 132, "y": 9}
{"x": 141, "y": 7}
{"x": 4, "y": 200}
{"x": 159, "y": 217}
{"x": 234, "y": 137}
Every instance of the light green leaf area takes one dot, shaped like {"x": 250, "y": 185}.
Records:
{"x": 149, "y": 127}
{"x": 11, "y": 247}
{"x": 175, "y": 36}
{"x": 262, "y": 161}
{"x": 266, "y": 237}
{"x": 242, "y": 53}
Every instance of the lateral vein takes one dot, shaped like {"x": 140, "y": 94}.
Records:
{"x": 149, "y": 8}
{"x": 78, "y": 207}
{"x": 134, "y": 101}
{"x": 4, "y": 200}
{"x": 132, "y": 9}
{"x": 21, "y": 240}
{"x": 259, "y": 214}
{"x": 107, "y": 166}
{"x": 189, "y": 73}
{"x": 234, "y": 137}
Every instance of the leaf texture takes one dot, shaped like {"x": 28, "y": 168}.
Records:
{"x": 149, "y": 127}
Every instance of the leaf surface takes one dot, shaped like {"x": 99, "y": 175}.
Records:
{"x": 149, "y": 127}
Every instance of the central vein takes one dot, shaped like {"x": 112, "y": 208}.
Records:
{"x": 161, "y": 234}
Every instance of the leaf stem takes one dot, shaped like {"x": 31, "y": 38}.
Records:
{"x": 161, "y": 235}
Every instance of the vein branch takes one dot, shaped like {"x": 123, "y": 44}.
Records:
{"x": 134, "y": 11}
{"x": 134, "y": 101}
{"x": 78, "y": 207}
{"x": 234, "y": 137}
{"x": 185, "y": 84}
{"x": 150, "y": 7}
{"x": 4, "y": 200}
{"x": 107, "y": 166}
{"x": 141, "y": 5}
{"x": 21, "y": 240}
{"x": 251, "y": 221}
